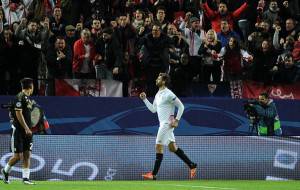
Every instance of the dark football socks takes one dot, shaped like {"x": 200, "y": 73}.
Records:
{"x": 159, "y": 158}
{"x": 184, "y": 158}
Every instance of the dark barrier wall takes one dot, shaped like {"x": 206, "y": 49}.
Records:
{"x": 129, "y": 116}
{"x": 127, "y": 157}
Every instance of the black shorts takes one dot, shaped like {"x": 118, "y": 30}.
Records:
{"x": 19, "y": 141}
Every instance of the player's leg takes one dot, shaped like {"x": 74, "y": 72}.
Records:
{"x": 11, "y": 162}
{"x": 159, "y": 157}
{"x": 180, "y": 153}
{"x": 16, "y": 147}
{"x": 26, "y": 168}
{"x": 26, "y": 161}
{"x": 161, "y": 140}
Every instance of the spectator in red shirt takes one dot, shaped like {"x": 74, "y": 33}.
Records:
{"x": 296, "y": 51}
{"x": 216, "y": 16}
{"x": 84, "y": 55}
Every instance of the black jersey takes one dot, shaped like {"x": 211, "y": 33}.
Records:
{"x": 22, "y": 103}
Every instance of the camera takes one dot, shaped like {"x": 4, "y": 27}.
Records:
{"x": 249, "y": 109}
{"x": 252, "y": 115}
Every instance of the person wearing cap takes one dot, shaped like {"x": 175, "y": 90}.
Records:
{"x": 70, "y": 36}
{"x": 195, "y": 36}
{"x": 70, "y": 28}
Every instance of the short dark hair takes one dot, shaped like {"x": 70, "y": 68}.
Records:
{"x": 224, "y": 3}
{"x": 108, "y": 30}
{"x": 26, "y": 83}
{"x": 161, "y": 8}
{"x": 264, "y": 94}
{"x": 288, "y": 56}
{"x": 34, "y": 20}
{"x": 57, "y": 7}
{"x": 60, "y": 38}
{"x": 165, "y": 77}
{"x": 156, "y": 24}
{"x": 224, "y": 20}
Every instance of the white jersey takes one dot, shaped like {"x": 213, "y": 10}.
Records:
{"x": 164, "y": 100}
{"x": 164, "y": 104}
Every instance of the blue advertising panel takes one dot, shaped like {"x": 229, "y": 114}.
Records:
{"x": 129, "y": 116}
{"x": 60, "y": 157}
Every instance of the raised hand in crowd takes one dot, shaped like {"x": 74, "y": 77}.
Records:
{"x": 45, "y": 23}
{"x": 128, "y": 19}
{"x": 79, "y": 26}
{"x": 98, "y": 57}
{"x": 60, "y": 55}
{"x": 151, "y": 16}
{"x": 248, "y": 59}
{"x": 142, "y": 29}
{"x": 114, "y": 24}
{"x": 277, "y": 28}
{"x": 285, "y": 4}
{"x": 115, "y": 71}
{"x": 187, "y": 17}
{"x": 23, "y": 22}
{"x": 282, "y": 41}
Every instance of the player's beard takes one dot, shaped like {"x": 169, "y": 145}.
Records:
{"x": 158, "y": 84}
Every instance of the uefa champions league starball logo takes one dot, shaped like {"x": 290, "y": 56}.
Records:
{"x": 190, "y": 123}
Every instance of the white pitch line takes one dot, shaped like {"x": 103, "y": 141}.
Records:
{"x": 190, "y": 186}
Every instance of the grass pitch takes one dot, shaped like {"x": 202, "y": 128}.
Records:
{"x": 155, "y": 185}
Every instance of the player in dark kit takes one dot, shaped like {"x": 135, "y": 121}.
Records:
{"x": 21, "y": 138}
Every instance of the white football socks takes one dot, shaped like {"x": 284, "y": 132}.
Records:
{"x": 25, "y": 173}
{"x": 7, "y": 168}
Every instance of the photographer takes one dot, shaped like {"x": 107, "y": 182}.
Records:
{"x": 267, "y": 116}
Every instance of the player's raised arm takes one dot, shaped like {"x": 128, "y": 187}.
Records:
{"x": 151, "y": 107}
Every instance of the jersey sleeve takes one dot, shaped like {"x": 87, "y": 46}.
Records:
{"x": 151, "y": 107}
{"x": 19, "y": 103}
{"x": 173, "y": 99}
{"x": 171, "y": 96}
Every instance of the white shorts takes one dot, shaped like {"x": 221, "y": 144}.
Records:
{"x": 165, "y": 134}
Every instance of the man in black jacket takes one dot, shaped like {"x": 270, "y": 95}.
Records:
{"x": 59, "y": 59}
{"x": 32, "y": 39}
{"x": 287, "y": 72}
{"x": 155, "y": 51}
{"x": 109, "y": 55}
{"x": 59, "y": 63}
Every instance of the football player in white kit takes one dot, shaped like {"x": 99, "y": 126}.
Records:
{"x": 164, "y": 104}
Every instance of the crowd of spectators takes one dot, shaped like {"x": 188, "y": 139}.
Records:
{"x": 206, "y": 41}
